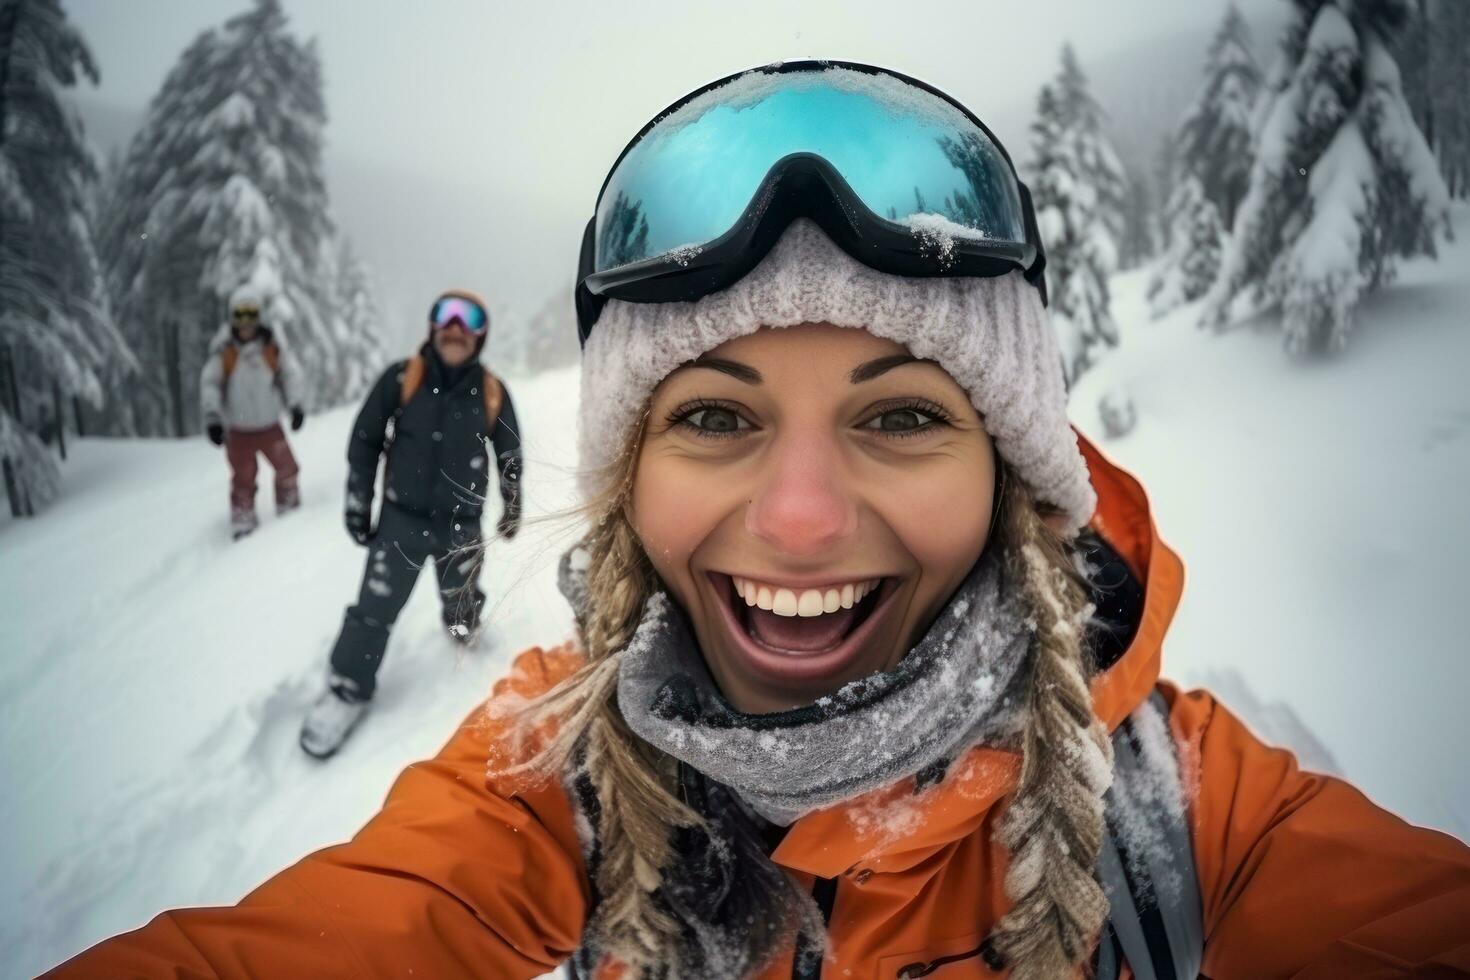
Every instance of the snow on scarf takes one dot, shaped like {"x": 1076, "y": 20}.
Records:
{"x": 958, "y": 686}
{"x": 961, "y": 685}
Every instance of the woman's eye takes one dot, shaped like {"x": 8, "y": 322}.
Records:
{"x": 714, "y": 421}
{"x": 902, "y": 421}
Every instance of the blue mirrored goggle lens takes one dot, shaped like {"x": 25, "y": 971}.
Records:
{"x": 910, "y": 157}
{"x": 452, "y": 308}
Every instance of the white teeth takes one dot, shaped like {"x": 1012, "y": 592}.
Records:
{"x": 810, "y": 604}
{"x": 807, "y": 602}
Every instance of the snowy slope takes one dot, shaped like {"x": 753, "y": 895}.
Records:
{"x": 1320, "y": 509}
{"x": 155, "y": 675}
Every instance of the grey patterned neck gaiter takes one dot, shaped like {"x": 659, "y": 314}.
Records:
{"x": 960, "y": 686}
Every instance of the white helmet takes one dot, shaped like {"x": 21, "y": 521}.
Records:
{"x": 246, "y": 295}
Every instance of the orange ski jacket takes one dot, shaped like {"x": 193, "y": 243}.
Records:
{"x": 460, "y": 876}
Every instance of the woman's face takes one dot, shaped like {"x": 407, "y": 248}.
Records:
{"x": 812, "y": 496}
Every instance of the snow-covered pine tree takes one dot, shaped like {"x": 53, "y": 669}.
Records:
{"x": 1165, "y": 176}
{"x": 357, "y": 326}
{"x": 1215, "y": 133}
{"x": 222, "y": 186}
{"x": 1079, "y": 190}
{"x": 1192, "y": 261}
{"x": 1449, "y": 80}
{"x": 56, "y": 335}
{"x": 1138, "y": 242}
{"x": 1098, "y": 162}
{"x": 1343, "y": 183}
{"x": 1212, "y": 154}
{"x": 1413, "y": 50}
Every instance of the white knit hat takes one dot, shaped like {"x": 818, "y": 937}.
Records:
{"x": 991, "y": 334}
{"x": 246, "y": 294}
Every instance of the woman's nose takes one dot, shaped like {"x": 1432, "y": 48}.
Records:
{"x": 802, "y": 506}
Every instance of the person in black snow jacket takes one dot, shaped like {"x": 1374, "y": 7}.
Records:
{"x": 444, "y": 421}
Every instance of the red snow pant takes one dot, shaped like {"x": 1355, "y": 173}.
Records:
{"x": 241, "y": 445}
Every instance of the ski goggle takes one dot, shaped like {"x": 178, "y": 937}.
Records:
{"x": 470, "y": 314}
{"x": 246, "y": 313}
{"x": 899, "y": 175}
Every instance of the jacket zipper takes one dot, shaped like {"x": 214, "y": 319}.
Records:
{"x": 922, "y": 969}
{"x": 824, "y": 891}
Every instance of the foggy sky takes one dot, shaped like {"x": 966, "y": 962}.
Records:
{"x": 467, "y": 140}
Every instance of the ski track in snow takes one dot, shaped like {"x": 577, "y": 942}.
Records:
{"x": 155, "y": 673}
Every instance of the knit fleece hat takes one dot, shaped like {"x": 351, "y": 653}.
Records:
{"x": 246, "y": 295}
{"x": 991, "y": 334}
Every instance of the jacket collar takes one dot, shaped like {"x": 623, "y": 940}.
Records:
{"x": 441, "y": 375}
{"x": 899, "y": 826}
{"x": 262, "y": 336}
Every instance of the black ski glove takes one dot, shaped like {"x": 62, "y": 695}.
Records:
{"x": 510, "y": 495}
{"x": 216, "y": 433}
{"x": 357, "y": 514}
{"x": 359, "y": 525}
{"x": 297, "y": 418}
{"x": 510, "y": 520}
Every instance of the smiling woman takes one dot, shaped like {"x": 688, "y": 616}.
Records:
{"x": 806, "y": 465}
{"x": 866, "y": 681}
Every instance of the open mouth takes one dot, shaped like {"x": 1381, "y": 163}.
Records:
{"x": 802, "y": 633}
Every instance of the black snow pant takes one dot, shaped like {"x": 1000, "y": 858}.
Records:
{"x": 401, "y": 546}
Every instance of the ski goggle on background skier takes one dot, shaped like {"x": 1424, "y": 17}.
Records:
{"x": 899, "y": 175}
{"x": 447, "y": 309}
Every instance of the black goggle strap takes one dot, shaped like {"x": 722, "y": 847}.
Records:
{"x": 589, "y": 306}
{"x": 1036, "y": 274}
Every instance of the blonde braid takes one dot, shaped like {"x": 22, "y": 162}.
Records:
{"x": 1054, "y": 825}
{"x": 638, "y": 806}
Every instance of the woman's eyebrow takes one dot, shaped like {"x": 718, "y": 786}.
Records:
{"x": 736, "y": 370}
{"x": 869, "y": 370}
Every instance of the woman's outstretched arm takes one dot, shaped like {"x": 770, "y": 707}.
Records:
{"x": 1303, "y": 876}
{"x": 449, "y": 879}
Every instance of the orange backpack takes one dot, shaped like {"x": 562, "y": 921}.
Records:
{"x": 231, "y": 354}
{"x": 412, "y": 380}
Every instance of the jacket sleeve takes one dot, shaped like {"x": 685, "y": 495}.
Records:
{"x": 288, "y": 375}
{"x": 1302, "y": 876}
{"x": 505, "y": 439}
{"x": 369, "y": 434}
{"x": 212, "y": 388}
{"x": 453, "y": 878}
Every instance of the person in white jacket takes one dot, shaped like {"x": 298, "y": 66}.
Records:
{"x": 248, "y": 379}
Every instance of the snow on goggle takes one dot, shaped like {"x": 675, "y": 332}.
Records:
{"x": 245, "y": 312}
{"x": 451, "y": 308}
{"x": 897, "y": 174}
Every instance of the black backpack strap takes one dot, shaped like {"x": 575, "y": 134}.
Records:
{"x": 1156, "y": 922}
